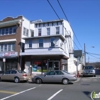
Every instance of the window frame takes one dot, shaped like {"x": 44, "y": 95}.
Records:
{"x": 30, "y": 43}
{"x": 32, "y": 33}
{"x": 39, "y": 31}
{"x": 48, "y": 31}
{"x": 57, "y": 30}
{"x": 41, "y": 43}
{"x": 52, "y": 41}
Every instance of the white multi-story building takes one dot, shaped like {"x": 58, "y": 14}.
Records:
{"x": 47, "y": 46}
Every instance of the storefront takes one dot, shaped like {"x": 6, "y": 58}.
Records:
{"x": 45, "y": 65}
{"x": 36, "y": 64}
{"x": 8, "y": 60}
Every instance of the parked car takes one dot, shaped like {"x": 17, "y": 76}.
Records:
{"x": 55, "y": 76}
{"x": 14, "y": 75}
{"x": 89, "y": 71}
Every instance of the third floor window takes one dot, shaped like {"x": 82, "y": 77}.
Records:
{"x": 32, "y": 33}
{"x": 25, "y": 31}
{"x": 48, "y": 31}
{"x": 8, "y": 30}
{"x": 57, "y": 30}
{"x": 39, "y": 32}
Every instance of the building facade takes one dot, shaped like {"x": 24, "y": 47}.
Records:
{"x": 48, "y": 47}
{"x": 10, "y": 36}
{"x": 35, "y": 46}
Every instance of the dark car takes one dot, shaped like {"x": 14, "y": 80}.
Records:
{"x": 89, "y": 71}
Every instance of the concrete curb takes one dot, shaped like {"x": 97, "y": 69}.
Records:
{"x": 78, "y": 79}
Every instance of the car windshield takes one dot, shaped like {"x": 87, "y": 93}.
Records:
{"x": 66, "y": 71}
{"x": 20, "y": 71}
{"x": 88, "y": 67}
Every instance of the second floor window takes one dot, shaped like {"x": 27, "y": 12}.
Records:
{"x": 57, "y": 30}
{"x": 7, "y": 47}
{"x": 52, "y": 42}
{"x": 48, "y": 31}
{"x": 1, "y": 47}
{"x": 30, "y": 43}
{"x": 13, "y": 47}
{"x": 39, "y": 32}
{"x": 40, "y": 42}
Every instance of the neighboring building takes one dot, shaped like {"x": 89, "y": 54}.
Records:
{"x": 12, "y": 30}
{"x": 79, "y": 60}
{"x": 10, "y": 36}
{"x": 36, "y": 45}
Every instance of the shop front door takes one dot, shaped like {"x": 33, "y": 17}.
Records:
{"x": 53, "y": 65}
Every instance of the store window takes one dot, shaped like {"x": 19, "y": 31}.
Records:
{"x": 39, "y": 66}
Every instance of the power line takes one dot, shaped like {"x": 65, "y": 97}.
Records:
{"x": 93, "y": 56}
{"x": 58, "y": 17}
{"x": 68, "y": 21}
{"x": 93, "y": 53}
{"x": 62, "y": 10}
{"x": 53, "y": 9}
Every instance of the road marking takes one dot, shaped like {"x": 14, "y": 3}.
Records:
{"x": 19, "y": 93}
{"x": 8, "y": 92}
{"x": 54, "y": 94}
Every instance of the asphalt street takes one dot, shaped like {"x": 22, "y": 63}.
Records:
{"x": 80, "y": 90}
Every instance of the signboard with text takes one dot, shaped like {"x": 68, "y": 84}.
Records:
{"x": 8, "y": 54}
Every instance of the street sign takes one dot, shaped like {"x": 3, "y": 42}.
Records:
{"x": 4, "y": 60}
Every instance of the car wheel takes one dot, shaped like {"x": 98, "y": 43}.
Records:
{"x": 16, "y": 80}
{"x": 94, "y": 75}
{"x": 38, "y": 81}
{"x": 65, "y": 81}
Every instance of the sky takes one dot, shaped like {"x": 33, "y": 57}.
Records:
{"x": 83, "y": 16}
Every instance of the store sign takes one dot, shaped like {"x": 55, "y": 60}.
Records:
{"x": 8, "y": 54}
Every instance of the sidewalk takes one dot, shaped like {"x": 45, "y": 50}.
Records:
{"x": 30, "y": 78}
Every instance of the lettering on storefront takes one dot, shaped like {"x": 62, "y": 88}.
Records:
{"x": 8, "y": 54}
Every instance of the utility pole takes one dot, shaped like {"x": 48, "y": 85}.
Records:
{"x": 88, "y": 60}
{"x": 84, "y": 54}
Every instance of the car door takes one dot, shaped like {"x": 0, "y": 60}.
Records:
{"x": 58, "y": 76}
{"x": 5, "y": 76}
{"x": 13, "y": 74}
{"x": 49, "y": 77}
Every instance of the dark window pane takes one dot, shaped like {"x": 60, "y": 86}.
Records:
{"x": 30, "y": 43}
